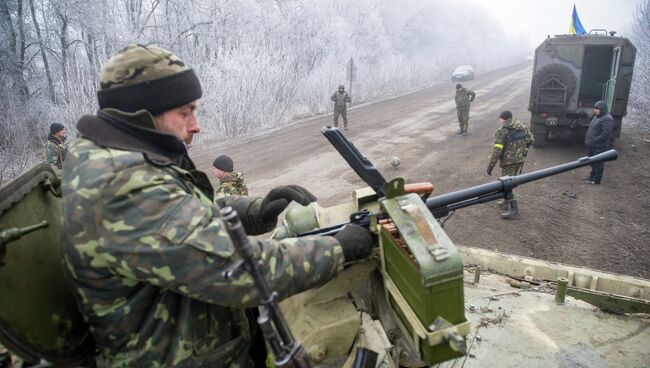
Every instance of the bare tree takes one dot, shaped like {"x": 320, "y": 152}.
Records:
{"x": 640, "y": 98}
{"x": 41, "y": 44}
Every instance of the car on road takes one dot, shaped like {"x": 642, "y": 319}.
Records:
{"x": 463, "y": 72}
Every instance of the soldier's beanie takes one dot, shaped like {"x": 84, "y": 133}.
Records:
{"x": 55, "y": 128}
{"x": 506, "y": 115}
{"x": 223, "y": 163}
{"x": 459, "y": 86}
{"x": 147, "y": 77}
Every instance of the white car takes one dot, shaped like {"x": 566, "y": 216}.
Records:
{"x": 463, "y": 72}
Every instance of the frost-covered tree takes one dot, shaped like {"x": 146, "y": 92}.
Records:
{"x": 262, "y": 63}
{"x": 640, "y": 96}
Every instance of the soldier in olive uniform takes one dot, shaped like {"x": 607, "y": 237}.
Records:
{"x": 511, "y": 144}
{"x": 56, "y": 148}
{"x": 145, "y": 246}
{"x": 230, "y": 181}
{"x": 341, "y": 99}
{"x": 464, "y": 96}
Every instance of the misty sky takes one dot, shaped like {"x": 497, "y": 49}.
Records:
{"x": 534, "y": 19}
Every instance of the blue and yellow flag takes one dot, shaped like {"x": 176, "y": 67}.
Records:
{"x": 576, "y": 27}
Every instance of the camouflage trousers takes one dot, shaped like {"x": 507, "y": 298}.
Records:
{"x": 463, "y": 119}
{"x": 512, "y": 170}
{"x": 343, "y": 113}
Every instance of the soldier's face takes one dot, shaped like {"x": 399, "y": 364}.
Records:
{"x": 181, "y": 122}
{"x": 218, "y": 173}
{"x": 60, "y": 133}
{"x": 596, "y": 112}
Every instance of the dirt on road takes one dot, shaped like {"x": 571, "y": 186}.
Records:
{"x": 562, "y": 219}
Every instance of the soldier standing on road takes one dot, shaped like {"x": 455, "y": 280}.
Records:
{"x": 341, "y": 99}
{"x": 145, "y": 246}
{"x": 56, "y": 149}
{"x": 230, "y": 181}
{"x": 511, "y": 142}
{"x": 597, "y": 139}
{"x": 464, "y": 96}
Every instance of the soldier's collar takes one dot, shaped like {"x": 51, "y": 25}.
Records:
{"x": 130, "y": 131}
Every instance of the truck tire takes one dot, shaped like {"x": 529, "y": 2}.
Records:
{"x": 540, "y": 134}
{"x": 560, "y": 72}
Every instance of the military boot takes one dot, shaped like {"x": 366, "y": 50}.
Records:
{"x": 513, "y": 212}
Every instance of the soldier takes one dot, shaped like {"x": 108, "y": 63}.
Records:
{"x": 464, "y": 96}
{"x": 341, "y": 99}
{"x": 511, "y": 142}
{"x": 597, "y": 139}
{"x": 144, "y": 245}
{"x": 55, "y": 149}
{"x": 230, "y": 181}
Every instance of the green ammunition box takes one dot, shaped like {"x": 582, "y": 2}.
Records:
{"x": 423, "y": 273}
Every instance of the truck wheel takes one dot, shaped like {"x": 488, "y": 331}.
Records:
{"x": 540, "y": 134}
{"x": 554, "y": 71}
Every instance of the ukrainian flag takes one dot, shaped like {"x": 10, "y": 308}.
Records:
{"x": 576, "y": 27}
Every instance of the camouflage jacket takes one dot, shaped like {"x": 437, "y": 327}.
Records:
{"x": 145, "y": 250}
{"x": 233, "y": 184}
{"x": 55, "y": 151}
{"x": 511, "y": 144}
{"x": 340, "y": 99}
{"x": 463, "y": 97}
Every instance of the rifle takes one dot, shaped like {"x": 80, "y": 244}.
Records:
{"x": 440, "y": 206}
{"x": 287, "y": 351}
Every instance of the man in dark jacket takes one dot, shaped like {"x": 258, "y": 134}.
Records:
{"x": 597, "y": 139}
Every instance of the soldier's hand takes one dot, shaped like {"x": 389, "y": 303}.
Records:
{"x": 279, "y": 198}
{"x": 356, "y": 241}
{"x": 489, "y": 170}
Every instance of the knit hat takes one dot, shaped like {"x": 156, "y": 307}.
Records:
{"x": 223, "y": 163}
{"x": 459, "y": 86}
{"x": 147, "y": 77}
{"x": 506, "y": 115}
{"x": 55, "y": 128}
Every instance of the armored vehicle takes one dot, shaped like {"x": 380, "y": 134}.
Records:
{"x": 571, "y": 73}
{"x": 419, "y": 301}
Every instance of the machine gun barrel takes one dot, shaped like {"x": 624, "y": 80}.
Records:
{"x": 441, "y": 205}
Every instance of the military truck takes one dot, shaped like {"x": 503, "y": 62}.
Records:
{"x": 571, "y": 73}
{"x": 419, "y": 301}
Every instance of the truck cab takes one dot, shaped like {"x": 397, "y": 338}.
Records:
{"x": 571, "y": 73}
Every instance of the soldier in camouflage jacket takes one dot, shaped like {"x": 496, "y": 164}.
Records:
{"x": 144, "y": 245}
{"x": 464, "y": 96}
{"x": 230, "y": 181}
{"x": 511, "y": 143}
{"x": 56, "y": 148}
{"x": 341, "y": 99}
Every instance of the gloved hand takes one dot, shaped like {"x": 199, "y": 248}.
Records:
{"x": 356, "y": 241}
{"x": 279, "y": 198}
{"x": 489, "y": 170}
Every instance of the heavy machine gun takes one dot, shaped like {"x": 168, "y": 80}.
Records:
{"x": 442, "y": 205}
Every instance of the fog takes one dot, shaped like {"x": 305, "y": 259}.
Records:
{"x": 534, "y": 20}
{"x": 262, "y": 63}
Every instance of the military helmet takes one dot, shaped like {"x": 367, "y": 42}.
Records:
{"x": 341, "y": 86}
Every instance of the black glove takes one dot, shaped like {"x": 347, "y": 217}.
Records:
{"x": 279, "y": 198}
{"x": 489, "y": 170}
{"x": 356, "y": 241}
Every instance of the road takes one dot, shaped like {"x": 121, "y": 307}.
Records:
{"x": 562, "y": 219}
